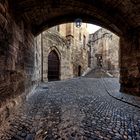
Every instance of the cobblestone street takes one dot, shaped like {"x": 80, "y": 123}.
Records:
{"x": 75, "y": 109}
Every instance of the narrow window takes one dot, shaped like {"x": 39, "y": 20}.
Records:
{"x": 79, "y": 36}
{"x": 58, "y": 28}
{"x": 84, "y": 41}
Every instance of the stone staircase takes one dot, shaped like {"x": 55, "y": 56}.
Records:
{"x": 98, "y": 73}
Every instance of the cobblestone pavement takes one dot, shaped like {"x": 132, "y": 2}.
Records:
{"x": 76, "y": 109}
{"x": 112, "y": 86}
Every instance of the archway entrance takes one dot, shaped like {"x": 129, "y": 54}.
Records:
{"x": 53, "y": 66}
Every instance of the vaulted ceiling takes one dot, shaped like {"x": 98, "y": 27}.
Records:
{"x": 118, "y": 16}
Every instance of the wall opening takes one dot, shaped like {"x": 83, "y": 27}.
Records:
{"x": 79, "y": 70}
{"x": 100, "y": 51}
{"x": 53, "y": 66}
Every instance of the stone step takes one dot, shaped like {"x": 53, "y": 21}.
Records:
{"x": 97, "y": 73}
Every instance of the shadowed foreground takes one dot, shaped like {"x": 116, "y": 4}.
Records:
{"x": 76, "y": 109}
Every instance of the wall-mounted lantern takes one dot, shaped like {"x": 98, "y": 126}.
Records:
{"x": 78, "y": 22}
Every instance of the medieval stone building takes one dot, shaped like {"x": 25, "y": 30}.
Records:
{"x": 104, "y": 51}
{"x": 64, "y": 51}
{"x": 22, "y": 20}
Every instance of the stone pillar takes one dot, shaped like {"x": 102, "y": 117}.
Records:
{"x": 19, "y": 61}
{"x": 130, "y": 63}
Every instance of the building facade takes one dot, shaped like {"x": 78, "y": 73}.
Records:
{"x": 64, "y": 51}
{"x": 104, "y": 51}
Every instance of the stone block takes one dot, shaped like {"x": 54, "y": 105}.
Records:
{"x": 2, "y": 9}
{"x": 3, "y": 21}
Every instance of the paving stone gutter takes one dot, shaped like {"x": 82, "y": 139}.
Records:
{"x": 112, "y": 87}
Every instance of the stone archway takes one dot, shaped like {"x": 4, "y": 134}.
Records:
{"x": 53, "y": 66}
{"x": 20, "y": 21}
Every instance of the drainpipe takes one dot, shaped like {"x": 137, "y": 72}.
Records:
{"x": 41, "y": 57}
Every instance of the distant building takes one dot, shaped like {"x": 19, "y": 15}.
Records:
{"x": 104, "y": 51}
{"x": 65, "y": 51}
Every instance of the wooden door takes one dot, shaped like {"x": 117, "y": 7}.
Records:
{"x": 53, "y": 66}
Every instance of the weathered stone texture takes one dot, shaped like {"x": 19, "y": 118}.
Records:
{"x": 16, "y": 60}
{"x": 121, "y": 17}
{"x": 130, "y": 63}
{"x": 19, "y": 19}
{"x": 118, "y": 16}
{"x": 52, "y": 40}
{"x": 71, "y": 51}
{"x": 105, "y": 44}
{"x": 79, "y": 48}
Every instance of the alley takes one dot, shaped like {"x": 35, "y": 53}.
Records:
{"x": 75, "y": 109}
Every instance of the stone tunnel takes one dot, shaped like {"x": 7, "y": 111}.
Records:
{"x": 22, "y": 20}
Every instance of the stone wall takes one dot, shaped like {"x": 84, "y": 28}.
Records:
{"x": 17, "y": 61}
{"x": 105, "y": 44}
{"x": 17, "y": 52}
{"x": 64, "y": 39}
{"x": 78, "y": 45}
{"x": 53, "y": 41}
{"x": 130, "y": 63}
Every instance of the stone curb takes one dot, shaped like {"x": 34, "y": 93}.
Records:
{"x": 111, "y": 93}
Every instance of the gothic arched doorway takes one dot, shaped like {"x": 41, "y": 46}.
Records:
{"x": 53, "y": 66}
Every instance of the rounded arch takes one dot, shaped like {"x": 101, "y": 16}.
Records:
{"x": 40, "y": 15}
{"x": 70, "y": 18}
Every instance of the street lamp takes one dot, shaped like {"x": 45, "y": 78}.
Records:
{"x": 78, "y": 22}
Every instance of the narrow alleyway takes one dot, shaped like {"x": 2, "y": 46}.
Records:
{"x": 98, "y": 73}
{"x": 76, "y": 109}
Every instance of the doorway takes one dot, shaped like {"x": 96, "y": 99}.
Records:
{"x": 53, "y": 66}
{"x": 79, "y": 70}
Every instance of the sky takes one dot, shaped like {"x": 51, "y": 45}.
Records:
{"x": 92, "y": 28}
